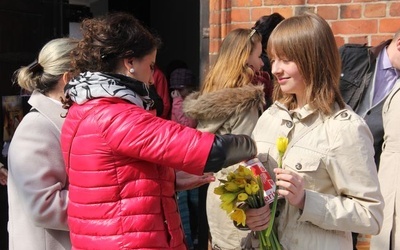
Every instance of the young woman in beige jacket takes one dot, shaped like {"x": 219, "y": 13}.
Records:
{"x": 328, "y": 182}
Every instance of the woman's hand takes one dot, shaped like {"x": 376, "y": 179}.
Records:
{"x": 291, "y": 187}
{"x": 186, "y": 181}
{"x": 257, "y": 219}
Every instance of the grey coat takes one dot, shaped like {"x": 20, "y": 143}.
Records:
{"x": 37, "y": 181}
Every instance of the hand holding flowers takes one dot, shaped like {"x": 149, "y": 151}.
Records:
{"x": 257, "y": 218}
{"x": 251, "y": 187}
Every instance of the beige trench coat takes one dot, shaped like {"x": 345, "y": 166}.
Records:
{"x": 389, "y": 173}
{"x": 334, "y": 155}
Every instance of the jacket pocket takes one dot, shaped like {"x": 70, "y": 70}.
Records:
{"x": 303, "y": 160}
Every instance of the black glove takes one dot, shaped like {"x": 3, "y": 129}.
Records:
{"x": 229, "y": 149}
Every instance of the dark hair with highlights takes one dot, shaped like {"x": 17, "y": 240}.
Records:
{"x": 108, "y": 39}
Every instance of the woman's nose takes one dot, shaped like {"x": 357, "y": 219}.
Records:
{"x": 151, "y": 80}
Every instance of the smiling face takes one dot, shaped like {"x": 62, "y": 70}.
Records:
{"x": 306, "y": 63}
{"x": 289, "y": 78}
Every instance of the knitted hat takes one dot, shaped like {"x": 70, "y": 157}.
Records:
{"x": 181, "y": 78}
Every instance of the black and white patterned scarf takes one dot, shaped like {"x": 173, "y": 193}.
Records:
{"x": 91, "y": 85}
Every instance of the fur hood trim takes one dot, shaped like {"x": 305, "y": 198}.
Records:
{"x": 224, "y": 102}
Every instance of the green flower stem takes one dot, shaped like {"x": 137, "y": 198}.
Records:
{"x": 271, "y": 221}
{"x": 263, "y": 240}
{"x": 275, "y": 202}
{"x": 270, "y": 234}
{"x": 277, "y": 244}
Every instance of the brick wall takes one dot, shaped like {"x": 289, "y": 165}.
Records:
{"x": 352, "y": 21}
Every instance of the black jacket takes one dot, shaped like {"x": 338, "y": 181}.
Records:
{"x": 358, "y": 68}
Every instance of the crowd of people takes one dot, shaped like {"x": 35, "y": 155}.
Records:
{"x": 116, "y": 154}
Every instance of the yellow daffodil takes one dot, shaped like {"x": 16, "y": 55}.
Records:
{"x": 231, "y": 176}
{"x": 241, "y": 182}
{"x": 239, "y": 216}
{"x": 248, "y": 189}
{"x": 254, "y": 187}
{"x": 243, "y": 196}
{"x": 231, "y": 186}
{"x": 227, "y": 207}
{"x": 220, "y": 190}
{"x": 242, "y": 171}
{"x": 228, "y": 197}
{"x": 281, "y": 144}
{"x": 242, "y": 186}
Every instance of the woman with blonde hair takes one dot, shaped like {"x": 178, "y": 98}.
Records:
{"x": 37, "y": 180}
{"x": 230, "y": 101}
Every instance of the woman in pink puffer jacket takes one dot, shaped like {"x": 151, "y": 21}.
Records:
{"x": 122, "y": 160}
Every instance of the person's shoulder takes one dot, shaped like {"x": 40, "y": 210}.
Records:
{"x": 346, "y": 113}
{"x": 346, "y": 120}
{"x": 355, "y": 45}
{"x": 353, "y": 48}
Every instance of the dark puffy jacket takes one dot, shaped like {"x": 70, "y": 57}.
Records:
{"x": 358, "y": 68}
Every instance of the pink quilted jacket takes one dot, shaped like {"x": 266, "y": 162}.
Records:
{"x": 120, "y": 161}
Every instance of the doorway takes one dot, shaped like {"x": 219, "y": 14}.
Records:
{"x": 179, "y": 23}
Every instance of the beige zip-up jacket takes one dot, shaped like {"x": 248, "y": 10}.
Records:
{"x": 389, "y": 174}
{"x": 335, "y": 156}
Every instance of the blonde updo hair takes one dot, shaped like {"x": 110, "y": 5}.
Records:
{"x": 53, "y": 61}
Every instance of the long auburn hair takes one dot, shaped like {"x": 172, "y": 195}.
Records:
{"x": 308, "y": 41}
{"x": 230, "y": 69}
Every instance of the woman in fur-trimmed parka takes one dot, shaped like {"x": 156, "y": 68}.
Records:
{"x": 229, "y": 102}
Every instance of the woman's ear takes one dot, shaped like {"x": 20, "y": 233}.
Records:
{"x": 129, "y": 65}
{"x": 398, "y": 43}
{"x": 66, "y": 77}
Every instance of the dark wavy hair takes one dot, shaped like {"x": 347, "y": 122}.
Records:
{"x": 110, "y": 38}
{"x": 265, "y": 25}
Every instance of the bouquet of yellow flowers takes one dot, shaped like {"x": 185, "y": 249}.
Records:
{"x": 251, "y": 184}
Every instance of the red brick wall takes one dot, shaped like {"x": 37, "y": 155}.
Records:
{"x": 352, "y": 21}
